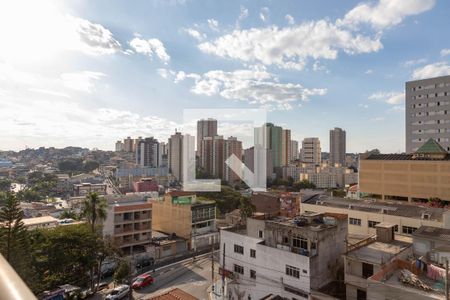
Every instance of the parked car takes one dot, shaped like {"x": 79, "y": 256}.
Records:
{"x": 145, "y": 263}
{"x": 118, "y": 293}
{"x": 142, "y": 281}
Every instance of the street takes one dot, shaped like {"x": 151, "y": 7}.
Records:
{"x": 191, "y": 277}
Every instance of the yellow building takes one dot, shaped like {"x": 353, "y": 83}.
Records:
{"x": 418, "y": 176}
{"x": 182, "y": 214}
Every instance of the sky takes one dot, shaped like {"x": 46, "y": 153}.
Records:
{"x": 88, "y": 73}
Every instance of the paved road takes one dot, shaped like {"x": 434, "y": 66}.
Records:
{"x": 191, "y": 277}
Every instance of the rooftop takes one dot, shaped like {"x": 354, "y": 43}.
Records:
{"x": 403, "y": 157}
{"x": 379, "y": 252}
{"x": 434, "y": 233}
{"x": 175, "y": 294}
{"x": 384, "y": 207}
{"x": 39, "y": 220}
{"x": 398, "y": 275}
{"x": 310, "y": 221}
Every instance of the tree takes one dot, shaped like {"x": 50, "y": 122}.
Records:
{"x": 246, "y": 207}
{"x": 90, "y": 165}
{"x": 5, "y": 185}
{"x": 122, "y": 272}
{"x": 14, "y": 244}
{"x": 304, "y": 184}
{"x": 13, "y": 231}
{"x": 94, "y": 209}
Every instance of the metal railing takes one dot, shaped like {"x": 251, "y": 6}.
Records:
{"x": 11, "y": 285}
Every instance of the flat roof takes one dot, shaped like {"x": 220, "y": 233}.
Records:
{"x": 433, "y": 233}
{"x": 403, "y": 157}
{"x": 39, "y": 220}
{"x": 379, "y": 252}
{"x": 385, "y": 207}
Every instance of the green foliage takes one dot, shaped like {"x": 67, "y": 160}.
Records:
{"x": 304, "y": 184}
{"x": 246, "y": 207}
{"x": 5, "y": 185}
{"x": 122, "y": 272}
{"x": 71, "y": 165}
{"x": 64, "y": 254}
{"x": 69, "y": 214}
{"x": 94, "y": 209}
{"x": 226, "y": 200}
{"x": 14, "y": 241}
{"x": 90, "y": 165}
{"x": 40, "y": 186}
{"x": 338, "y": 193}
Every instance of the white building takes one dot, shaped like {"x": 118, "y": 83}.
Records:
{"x": 311, "y": 152}
{"x": 281, "y": 256}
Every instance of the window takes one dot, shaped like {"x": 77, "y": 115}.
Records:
{"x": 252, "y": 253}
{"x": 396, "y": 228}
{"x": 361, "y": 295}
{"x": 372, "y": 224}
{"x": 304, "y": 271}
{"x": 239, "y": 269}
{"x": 408, "y": 229}
{"x": 292, "y": 271}
{"x": 300, "y": 242}
{"x": 260, "y": 234}
{"x": 285, "y": 240}
{"x": 253, "y": 274}
{"x": 367, "y": 270}
{"x": 353, "y": 221}
{"x": 238, "y": 249}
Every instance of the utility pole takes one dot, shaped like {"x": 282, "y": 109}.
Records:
{"x": 212, "y": 265}
{"x": 446, "y": 280}
{"x": 223, "y": 272}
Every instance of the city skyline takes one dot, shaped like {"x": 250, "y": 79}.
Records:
{"x": 98, "y": 72}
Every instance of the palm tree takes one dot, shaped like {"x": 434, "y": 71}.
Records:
{"x": 94, "y": 209}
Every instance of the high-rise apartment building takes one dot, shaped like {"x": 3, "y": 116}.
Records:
{"x": 147, "y": 153}
{"x": 285, "y": 147}
{"x": 128, "y": 144}
{"x": 136, "y": 143}
{"x": 270, "y": 137}
{"x": 294, "y": 151}
{"x": 311, "y": 151}
{"x": 175, "y": 155}
{"x": 337, "y": 146}
{"x": 205, "y": 128}
{"x": 163, "y": 154}
{"x": 119, "y": 146}
{"x": 427, "y": 112}
{"x": 232, "y": 146}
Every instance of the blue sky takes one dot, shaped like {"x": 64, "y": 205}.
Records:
{"x": 88, "y": 73}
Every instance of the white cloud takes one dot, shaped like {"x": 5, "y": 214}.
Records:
{"x": 398, "y": 108}
{"x": 242, "y": 15}
{"x": 213, "y": 24}
{"x": 81, "y": 81}
{"x": 290, "y": 19}
{"x": 317, "y": 66}
{"x": 362, "y": 105}
{"x": 445, "y": 52}
{"x": 290, "y": 47}
{"x": 414, "y": 62}
{"x": 378, "y": 119}
{"x": 49, "y": 92}
{"x": 432, "y": 70}
{"x": 255, "y": 86}
{"x": 389, "y": 97}
{"x": 195, "y": 34}
{"x": 369, "y": 71}
{"x": 41, "y": 31}
{"x": 264, "y": 14}
{"x": 165, "y": 73}
{"x": 385, "y": 13}
{"x": 150, "y": 47}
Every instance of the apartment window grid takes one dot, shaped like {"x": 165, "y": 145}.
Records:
{"x": 253, "y": 253}
{"x": 292, "y": 271}
{"x": 372, "y": 224}
{"x": 354, "y": 221}
{"x": 239, "y": 269}
{"x": 253, "y": 274}
{"x": 408, "y": 229}
{"x": 238, "y": 249}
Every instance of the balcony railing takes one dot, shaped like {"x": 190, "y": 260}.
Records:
{"x": 11, "y": 285}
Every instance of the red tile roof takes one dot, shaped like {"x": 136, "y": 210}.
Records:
{"x": 175, "y": 294}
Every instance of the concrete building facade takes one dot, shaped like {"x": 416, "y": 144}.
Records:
{"x": 282, "y": 256}
{"x": 205, "y": 128}
{"x": 311, "y": 152}
{"x": 294, "y": 155}
{"x": 285, "y": 147}
{"x": 427, "y": 112}
{"x": 337, "y": 146}
{"x": 175, "y": 155}
{"x": 147, "y": 153}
